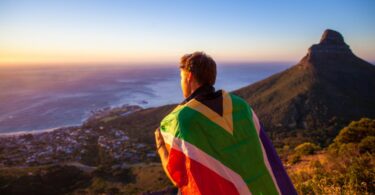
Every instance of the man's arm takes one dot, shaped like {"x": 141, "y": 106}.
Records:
{"x": 162, "y": 151}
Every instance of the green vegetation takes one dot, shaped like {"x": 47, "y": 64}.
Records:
{"x": 91, "y": 157}
{"x": 345, "y": 167}
{"x": 135, "y": 179}
{"x": 58, "y": 179}
{"x": 355, "y": 132}
{"x": 41, "y": 180}
{"x": 306, "y": 148}
{"x": 367, "y": 144}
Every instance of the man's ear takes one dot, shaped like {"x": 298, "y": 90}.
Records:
{"x": 190, "y": 77}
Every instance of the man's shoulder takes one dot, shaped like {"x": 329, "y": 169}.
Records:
{"x": 179, "y": 114}
{"x": 239, "y": 102}
{"x": 178, "y": 119}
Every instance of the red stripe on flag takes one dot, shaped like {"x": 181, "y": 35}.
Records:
{"x": 194, "y": 178}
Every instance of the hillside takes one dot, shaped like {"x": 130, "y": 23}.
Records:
{"x": 328, "y": 88}
{"x": 311, "y": 168}
{"x": 139, "y": 125}
{"x": 317, "y": 172}
{"x": 69, "y": 179}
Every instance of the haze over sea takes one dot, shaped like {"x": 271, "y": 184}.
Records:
{"x": 33, "y": 99}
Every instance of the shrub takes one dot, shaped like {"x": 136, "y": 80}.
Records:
{"x": 295, "y": 158}
{"x": 367, "y": 145}
{"x": 347, "y": 167}
{"x": 356, "y": 131}
{"x": 306, "y": 148}
{"x": 99, "y": 185}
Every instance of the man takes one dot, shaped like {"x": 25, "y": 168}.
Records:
{"x": 213, "y": 143}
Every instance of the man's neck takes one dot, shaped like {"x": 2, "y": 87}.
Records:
{"x": 202, "y": 89}
{"x": 194, "y": 88}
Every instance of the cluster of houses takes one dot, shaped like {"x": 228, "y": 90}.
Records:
{"x": 71, "y": 144}
{"x": 120, "y": 148}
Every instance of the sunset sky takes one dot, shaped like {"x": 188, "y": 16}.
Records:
{"x": 160, "y": 31}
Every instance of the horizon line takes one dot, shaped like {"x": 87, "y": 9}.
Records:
{"x": 134, "y": 64}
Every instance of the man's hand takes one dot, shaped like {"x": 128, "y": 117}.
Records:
{"x": 161, "y": 149}
{"x": 159, "y": 139}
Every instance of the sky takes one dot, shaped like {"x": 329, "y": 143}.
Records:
{"x": 161, "y": 31}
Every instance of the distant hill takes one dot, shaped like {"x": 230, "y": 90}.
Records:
{"x": 328, "y": 88}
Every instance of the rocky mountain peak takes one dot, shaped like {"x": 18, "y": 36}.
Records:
{"x": 331, "y": 37}
{"x": 332, "y": 42}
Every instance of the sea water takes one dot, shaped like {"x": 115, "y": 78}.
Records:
{"x": 39, "y": 98}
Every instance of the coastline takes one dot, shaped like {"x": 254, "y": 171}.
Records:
{"x": 34, "y": 132}
{"x": 96, "y": 114}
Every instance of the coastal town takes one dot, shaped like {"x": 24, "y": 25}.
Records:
{"x": 89, "y": 146}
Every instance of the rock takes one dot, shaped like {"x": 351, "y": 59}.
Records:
{"x": 332, "y": 37}
{"x": 332, "y": 42}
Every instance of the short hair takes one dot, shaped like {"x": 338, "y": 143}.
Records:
{"x": 201, "y": 65}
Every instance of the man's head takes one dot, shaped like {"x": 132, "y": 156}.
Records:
{"x": 196, "y": 69}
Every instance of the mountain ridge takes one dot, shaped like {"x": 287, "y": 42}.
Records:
{"x": 329, "y": 87}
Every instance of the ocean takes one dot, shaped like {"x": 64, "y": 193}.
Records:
{"x": 40, "y": 98}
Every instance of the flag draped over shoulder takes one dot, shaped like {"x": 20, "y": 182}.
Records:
{"x": 228, "y": 154}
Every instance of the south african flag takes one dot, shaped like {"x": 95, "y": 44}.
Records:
{"x": 221, "y": 154}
